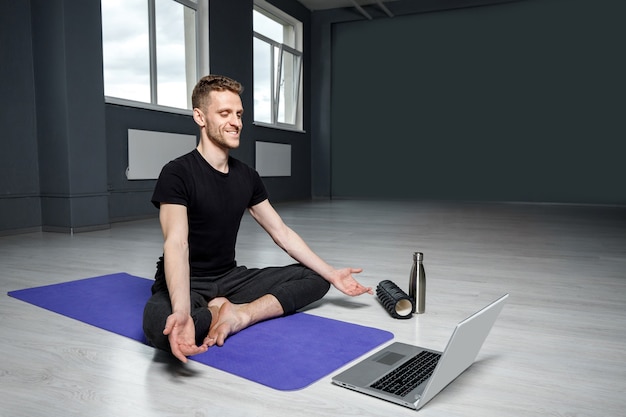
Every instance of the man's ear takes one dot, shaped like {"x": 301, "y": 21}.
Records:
{"x": 198, "y": 117}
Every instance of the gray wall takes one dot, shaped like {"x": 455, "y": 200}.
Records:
{"x": 520, "y": 101}
{"x": 69, "y": 110}
{"x": 19, "y": 168}
{"x": 545, "y": 126}
{"x": 63, "y": 151}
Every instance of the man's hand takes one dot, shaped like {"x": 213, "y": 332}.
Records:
{"x": 343, "y": 280}
{"x": 181, "y": 333}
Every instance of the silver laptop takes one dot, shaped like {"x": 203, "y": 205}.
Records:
{"x": 411, "y": 375}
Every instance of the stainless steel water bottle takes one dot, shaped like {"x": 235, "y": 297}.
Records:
{"x": 413, "y": 282}
{"x": 421, "y": 284}
{"x": 417, "y": 283}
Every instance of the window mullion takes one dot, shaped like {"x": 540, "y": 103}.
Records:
{"x": 153, "y": 53}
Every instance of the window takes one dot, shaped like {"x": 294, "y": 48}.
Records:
{"x": 277, "y": 67}
{"x": 150, "y": 51}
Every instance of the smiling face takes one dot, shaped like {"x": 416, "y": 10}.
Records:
{"x": 222, "y": 118}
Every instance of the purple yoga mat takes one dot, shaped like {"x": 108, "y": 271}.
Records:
{"x": 286, "y": 353}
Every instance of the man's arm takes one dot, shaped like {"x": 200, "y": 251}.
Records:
{"x": 179, "y": 326}
{"x": 294, "y": 245}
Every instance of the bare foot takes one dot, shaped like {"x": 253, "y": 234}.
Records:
{"x": 214, "y": 307}
{"x": 230, "y": 319}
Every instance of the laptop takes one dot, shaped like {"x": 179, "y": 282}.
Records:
{"x": 411, "y": 375}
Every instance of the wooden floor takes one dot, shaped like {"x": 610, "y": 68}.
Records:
{"x": 558, "y": 349}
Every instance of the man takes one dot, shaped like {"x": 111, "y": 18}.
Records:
{"x": 200, "y": 295}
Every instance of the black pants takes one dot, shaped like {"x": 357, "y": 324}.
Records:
{"x": 294, "y": 286}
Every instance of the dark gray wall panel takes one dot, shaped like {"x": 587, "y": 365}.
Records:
{"x": 19, "y": 169}
{"x": 516, "y": 102}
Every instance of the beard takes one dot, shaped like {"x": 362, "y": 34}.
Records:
{"x": 224, "y": 139}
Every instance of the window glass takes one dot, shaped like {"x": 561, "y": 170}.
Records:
{"x": 288, "y": 90}
{"x": 174, "y": 53}
{"x": 149, "y": 51}
{"x": 126, "y": 50}
{"x": 268, "y": 27}
{"x": 262, "y": 81}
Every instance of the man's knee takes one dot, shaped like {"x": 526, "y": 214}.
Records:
{"x": 301, "y": 292}
{"x": 318, "y": 285}
{"x": 154, "y": 317}
{"x": 324, "y": 286}
{"x": 155, "y": 337}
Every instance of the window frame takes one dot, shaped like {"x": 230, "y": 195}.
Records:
{"x": 201, "y": 8}
{"x": 279, "y": 16}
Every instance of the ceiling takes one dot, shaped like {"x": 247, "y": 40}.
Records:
{"x": 337, "y": 4}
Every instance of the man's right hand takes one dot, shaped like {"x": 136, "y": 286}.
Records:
{"x": 181, "y": 333}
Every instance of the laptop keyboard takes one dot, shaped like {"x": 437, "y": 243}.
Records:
{"x": 409, "y": 375}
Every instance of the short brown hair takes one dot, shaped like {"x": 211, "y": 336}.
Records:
{"x": 200, "y": 95}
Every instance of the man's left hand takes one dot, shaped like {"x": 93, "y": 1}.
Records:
{"x": 343, "y": 280}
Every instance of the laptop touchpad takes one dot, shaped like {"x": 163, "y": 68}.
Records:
{"x": 390, "y": 358}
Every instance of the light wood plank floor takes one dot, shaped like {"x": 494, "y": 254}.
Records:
{"x": 558, "y": 349}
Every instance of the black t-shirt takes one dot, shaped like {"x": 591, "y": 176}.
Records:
{"x": 215, "y": 205}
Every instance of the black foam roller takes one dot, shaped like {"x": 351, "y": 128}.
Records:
{"x": 395, "y": 301}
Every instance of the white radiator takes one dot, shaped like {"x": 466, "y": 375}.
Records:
{"x": 148, "y": 151}
{"x": 273, "y": 159}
